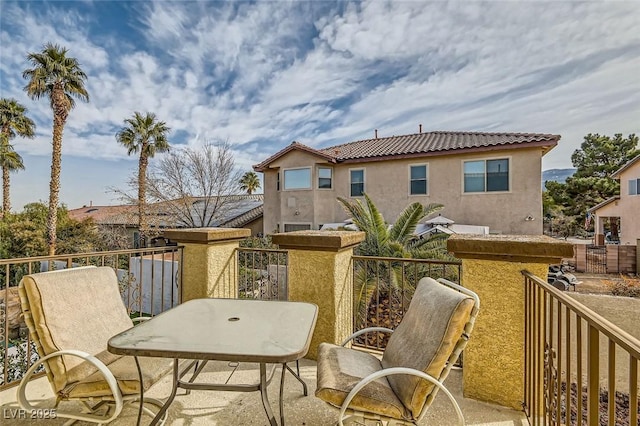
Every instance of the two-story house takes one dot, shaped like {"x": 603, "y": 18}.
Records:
{"x": 623, "y": 207}
{"x": 486, "y": 179}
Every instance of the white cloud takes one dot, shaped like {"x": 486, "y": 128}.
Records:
{"x": 321, "y": 73}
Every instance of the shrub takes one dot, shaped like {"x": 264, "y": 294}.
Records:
{"x": 627, "y": 286}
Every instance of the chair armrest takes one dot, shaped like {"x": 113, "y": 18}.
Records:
{"x": 140, "y": 319}
{"x": 397, "y": 370}
{"x": 108, "y": 375}
{"x": 363, "y": 331}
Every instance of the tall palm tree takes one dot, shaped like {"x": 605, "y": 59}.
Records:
{"x": 250, "y": 182}
{"x": 147, "y": 135}
{"x": 58, "y": 77}
{"x": 13, "y": 122}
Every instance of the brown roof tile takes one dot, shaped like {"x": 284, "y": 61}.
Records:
{"x": 435, "y": 142}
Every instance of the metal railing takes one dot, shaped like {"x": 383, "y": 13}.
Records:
{"x": 262, "y": 274}
{"x": 149, "y": 281}
{"x": 383, "y": 288}
{"x": 579, "y": 367}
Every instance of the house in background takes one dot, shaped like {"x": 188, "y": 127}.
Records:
{"x": 484, "y": 179}
{"x": 623, "y": 208}
{"x": 239, "y": 211}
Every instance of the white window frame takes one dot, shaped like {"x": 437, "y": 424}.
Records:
{"x": 485, "y": 159}
{"x": 426, "y": 165}
{"x": 284, "y": 179}
{"x": 364, "y": 181}
{"x": 284, "y": 226}
{"x": 636, "y": 184}
{"x": 318, "y": 178}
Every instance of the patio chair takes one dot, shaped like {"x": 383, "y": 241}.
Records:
{"x": 420, "y": 353}
{"x": 71, "y": 314}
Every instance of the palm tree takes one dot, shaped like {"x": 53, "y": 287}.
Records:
{"x": 58, "y": 77}
{"x": 250, "y": 182}
{"x": 397, "y": 240}
{"x": 144, "y": 134}
{"x": 13, "y": 122}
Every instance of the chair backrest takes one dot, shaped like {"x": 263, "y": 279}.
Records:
{"x": 78, "y": 308}
{"x": 429, "y": 338}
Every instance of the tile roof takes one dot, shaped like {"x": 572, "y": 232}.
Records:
{"x": 418, "y": 145}
{"x": 435, "y": 142}
{"x": 111, "y": 215}
{"x": 293, "y": 146}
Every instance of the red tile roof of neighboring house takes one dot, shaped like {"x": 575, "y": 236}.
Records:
{"x": 420, "y": 145}
{"x": 109, "y": 215}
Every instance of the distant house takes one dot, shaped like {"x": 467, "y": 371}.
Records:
{"x": 624, "y": 208}
{"x": 483, "y": 179}
{"x": 239, "y": 211}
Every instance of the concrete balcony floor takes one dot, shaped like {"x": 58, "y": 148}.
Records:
{"x": 232, "y": 408}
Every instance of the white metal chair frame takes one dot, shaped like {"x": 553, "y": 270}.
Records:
{"x": 347, "y": 413}
{"x": 117, "y": 400}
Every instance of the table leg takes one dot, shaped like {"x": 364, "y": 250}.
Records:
{"x": 297, "y": 376}
{"x": 263, "y": 393}
{"x": 284, "y": 370}
{"x": 141, "y": 403}
{"x": 171, "y": 396}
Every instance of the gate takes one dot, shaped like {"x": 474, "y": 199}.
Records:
{"x": 596, "y": 259}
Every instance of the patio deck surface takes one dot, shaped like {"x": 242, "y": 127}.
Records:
{"x": 232, "y": 408}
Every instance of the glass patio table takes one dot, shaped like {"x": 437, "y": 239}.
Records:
{"x": 236, "y": 330}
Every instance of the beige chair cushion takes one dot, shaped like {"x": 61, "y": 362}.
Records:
{"x": 340, "y": 369}
{"x": 77, "y": 308}
{"x": 90, "y": 382}
{"x": 425, "y": 338}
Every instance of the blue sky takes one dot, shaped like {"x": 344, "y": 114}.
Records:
{"x": 262, "y": 74}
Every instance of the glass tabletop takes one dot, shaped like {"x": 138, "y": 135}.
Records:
{"x": 223, "y": 329}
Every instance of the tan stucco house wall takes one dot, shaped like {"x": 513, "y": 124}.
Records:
{"x": 387, "y": 182}
{"x": 626, "y": 206}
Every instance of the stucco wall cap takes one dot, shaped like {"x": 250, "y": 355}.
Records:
{"x": 318, "y": 240}
{"x": 206, "y": 235}
{"x": 510, "y": 248}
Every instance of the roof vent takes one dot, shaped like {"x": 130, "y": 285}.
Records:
{"x": 420, "y": 128}
{"x": 376, "y": 133}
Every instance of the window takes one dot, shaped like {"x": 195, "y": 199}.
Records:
{"x": 486, "y": 175}
{"x": 325, "y": 177}
{"x": 297, "y": 179}
{"x": 357, "y": 182}
{"x": 418, "y": 179}
{"x": 634, "y": 187}
{"x": 290, "y": 227}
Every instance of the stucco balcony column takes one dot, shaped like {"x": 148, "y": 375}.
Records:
{"x": 321, "y": 272}
{"x": 491, "y": 266}
{"x": 209, "y": 264}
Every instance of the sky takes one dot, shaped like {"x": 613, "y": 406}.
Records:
{"x": 262, "y": 74}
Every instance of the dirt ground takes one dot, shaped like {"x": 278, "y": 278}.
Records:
{"x": 593, "y": 284}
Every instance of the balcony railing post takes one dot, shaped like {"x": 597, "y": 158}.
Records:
{"x": 209, "y": 267}
{"x": 491, "y": 266}
{"x": 321, "y": 272}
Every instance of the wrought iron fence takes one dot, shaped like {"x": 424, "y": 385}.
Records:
{"x": 262, "y": 274}
{"x": 383, "y": 288}
{"x": 579, "y": 367}
{"x": 149, "y": 282}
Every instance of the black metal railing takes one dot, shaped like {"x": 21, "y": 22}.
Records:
{"x": 262, "y": 274}
{"x": 383, "y": 288}
{"x": 149, "y": 281}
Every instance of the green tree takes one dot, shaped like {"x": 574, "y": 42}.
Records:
{"x": 24, "y": 234}
{"x": 397, "y": 240}
{"x": 250, "y": 182}
{"x": 13, "y": 122}
{"x": 59, "y": 78}
{"x": 597, "y": 159}
{"x": 146, "y": 135}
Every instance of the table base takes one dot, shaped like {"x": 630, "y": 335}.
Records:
{"x": 199, "y": 366}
